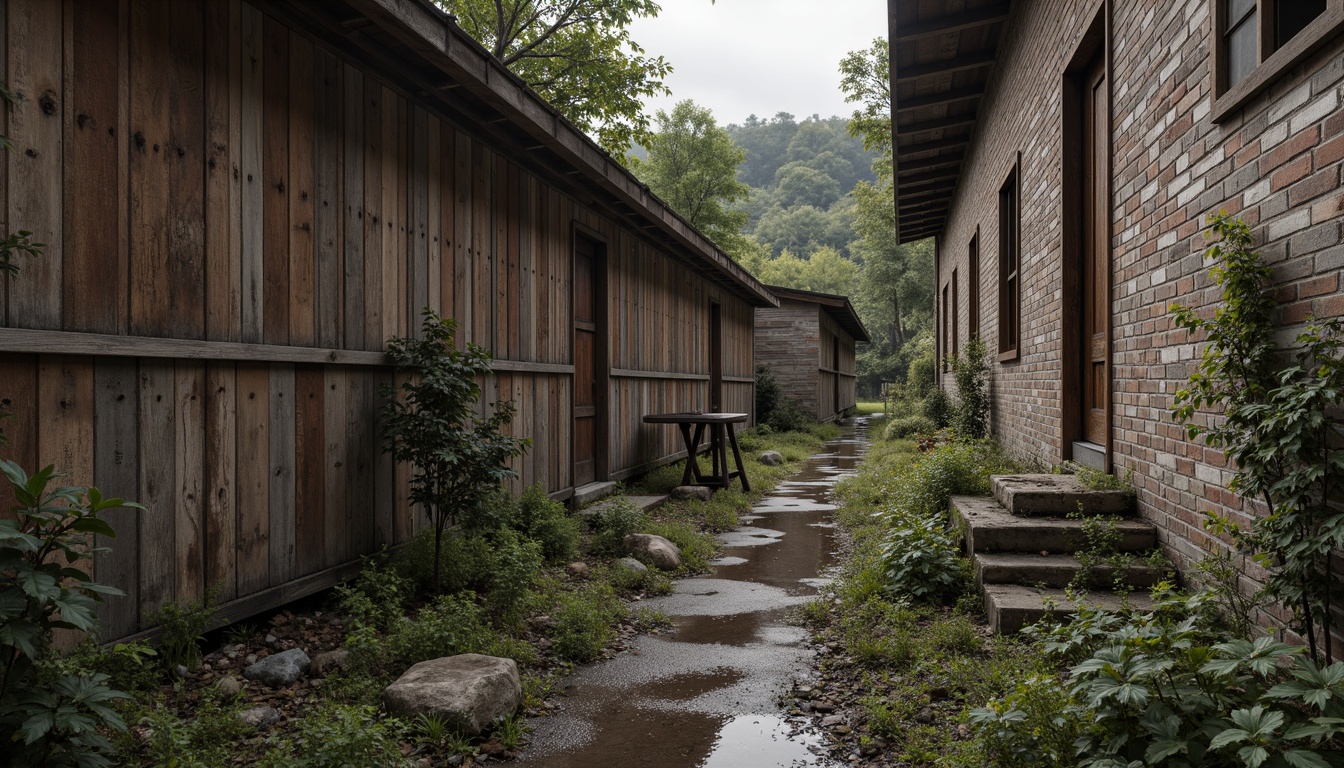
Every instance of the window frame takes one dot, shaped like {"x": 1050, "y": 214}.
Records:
{"x": 1229, "y": 98}
{"x": 943, "y": 337}
{"x": 973, "y": 285}
{"x": 956, "y": 315}
{"x": 1010, "y": 254}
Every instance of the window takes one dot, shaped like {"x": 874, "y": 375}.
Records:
{"x": 944, "y": 338}
{"x": 956, "y": 315}
{"x": 1010, "y": 263}
{"x": 973, "y": 286}
{"x": 1258, "y": 40}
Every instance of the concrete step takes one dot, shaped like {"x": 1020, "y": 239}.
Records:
{"x": 645, "y": 503}
{"x": 587, "y": 494}
{"x": 1046, "y": 495}
{"x": 1057, "y": 571}
{"x": 1011, "y": 607}
{"x": 987, "y": 527}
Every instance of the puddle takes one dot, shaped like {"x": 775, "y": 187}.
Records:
{"x": 704, "y": 693}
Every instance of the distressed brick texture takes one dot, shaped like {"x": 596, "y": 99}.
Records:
{"x": 1276, "y": 162}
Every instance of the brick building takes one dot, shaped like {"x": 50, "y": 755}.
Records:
{"x": 1065, "y": 154}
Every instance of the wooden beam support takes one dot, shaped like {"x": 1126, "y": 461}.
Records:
{"x": 952, "y": 22}
{"x": 937, "y": 98}
{"x": 936, "y": 175}
{"x": 937, "y": 124}
{"x": 933, "y": 146}
{"x": 946, "y": 66}
{"x": 943, "y": 190}
{"x": 929, "y": 162}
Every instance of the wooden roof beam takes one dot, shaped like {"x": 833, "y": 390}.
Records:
{"x": 938, "y": 98}
{"x": 960, "y": 63}
{"x": 938, "y": 124}
{"x": 937, "y": 175}
{"x": 933, "y": 146}
{"x": 952, "y": 22}
{"x": 928, "y": 162}
{"x": 944, "y": 190}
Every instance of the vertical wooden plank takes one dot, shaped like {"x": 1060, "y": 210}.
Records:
{"x": 65, "y": 417}
{"x": 253, "y": 539}
{"x": 433, "y": 229}
{"x": 116, "y": 473}
{"x": 512, "y": 226}
{"x": 190, "y": 471}
{"x": 418, "y": 283}
{"x": 363, "y": 448}
{"x": 309, "y": 451}
{"x": 354, "y": 214}
{"x": 221, "y": 469}
{"x": 527, "y": 327}
{"x": 149, "y": 90}
{"x": 36, "y": 78}
{"x": 381, "y": 473}
{"x": 499, "y": 257}
{"x": 158, "y": 482}
{"x": 18, "y": 397}
{"x": 301, "y": 192}
{"x": 282, "y": 429}
{"x": 275, "y": 171}
{"x": 336, "y": 539}
{"x": 393, "y": 214}
{"x": 385, "y": 478}
{"x": 95, "y": 287}
{"x": 328, "y": 151}
{"x": 447, "y": 225}
{"x": 405, "y": 220}
{"x": 223, "y": 186}
{"x": 482, "y": 259}
{"x": 463, "y": 240}
{"x": 185, "y": 156}
{"x": 374, "y": 226}
{"x": 251, "y": 195}
{"x": 4, "y": 178}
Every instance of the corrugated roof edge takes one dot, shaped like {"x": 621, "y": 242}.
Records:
{"x": 435, "y": 35}
{"x": 838, "y": 307}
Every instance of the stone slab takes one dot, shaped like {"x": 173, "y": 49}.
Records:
{"x": 587, "y": 494}
{"x": 1011, "y": 607}
{"x": 1055, "y": 570}
{"x": 985, "y": 526}
{"x": 1057, "y": 495}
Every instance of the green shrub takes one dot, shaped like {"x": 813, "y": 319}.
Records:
{"x": 517, "y": 562}
{"x": 209, "y": 738}
{"x": 129, "y": 666}
{"x": 1034, "y": 726}
{"x": 789, "y": 416}
{"x": 465, "y": 561}
{"x": 375, "y": 598}
{"x": 343, "y": 736}
{"x": 547, "y": 521}
{"x": 768, "y": 394}
{"x": 922, "y": 487}
{"x": 697, "y": 548}
{"x": 908, "y": 426}
{"x": 615, "y": 520}
{"x": 922, "y": 375}
{"x": 583, "y": 621}
{"x": 938, "y": 408}
{"x": 651, "y": 581}
{"x": 182, "y": 629}
{"x": 970, "y": 416}
{"x": 452, "y": 624}
{"x": 921, "y": 559}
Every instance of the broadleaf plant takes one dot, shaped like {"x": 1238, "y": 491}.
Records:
{"x": 457, "y": 459}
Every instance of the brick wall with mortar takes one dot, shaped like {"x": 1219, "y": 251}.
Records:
{"x": 1276, "y": 162}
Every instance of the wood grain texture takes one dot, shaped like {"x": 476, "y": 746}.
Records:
{"x": 253, "y": 532}
{"x": 185, "y": 156}
{"x": 352, "y": 210}
{"x": 158, "y": 483}
{"x": 116, "y": 472}
{"x": 221, "y": 483}
{"x": 275, "y": 182}
{"x": 251, "y": 179}
{"x": 188, "y": 509}
{"x": 310, "y": 454}
{"x": 18, "y": 396}
{"x": 150, "y": 83}
{"x": 223, "y": 188}
{"x": 301, "y": 192}
{"x": 328, "y": 155}
{"x": 282, "y": 434}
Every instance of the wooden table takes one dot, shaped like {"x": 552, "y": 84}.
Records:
{"x": 721, "y": 436}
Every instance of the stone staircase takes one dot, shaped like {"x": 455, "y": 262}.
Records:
{"x": 1024, "y": 545}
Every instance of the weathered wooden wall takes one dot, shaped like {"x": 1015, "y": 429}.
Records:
{"x": 831, "y": 336}
{"x": 797, "y": 342}
{"x": 236, "y": 219}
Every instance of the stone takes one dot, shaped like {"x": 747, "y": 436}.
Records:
{"x": 578, "y": 569}
{"x": 326, "y": 663}
{"x": 260, "y": 717}
{"x": 470, "y": 691}
{"x": 771, "y": 458}
{"x": 698, "y": 492}
{"x": 630, "y": 564}
{"x": 229, "y": 686}
{"x": 280, "y": 669}
{"x": 662, "y": 553}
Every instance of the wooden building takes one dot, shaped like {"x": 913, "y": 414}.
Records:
{"x": 241, "y": 202}
{"x": 807, "y": 342}
{"x": 1066, "y": 156}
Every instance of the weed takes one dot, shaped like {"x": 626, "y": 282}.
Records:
{"x": 241, "y": 632}
{"x": 955, "y": 634}
{"x": 696, "y": 547}
{"x": 431, "y": 729}
{"x": 613, "y": 522}
{"x": 511, "y": 732}
{"x": 536, "y": 688}
{"x": 517, "y": 562}
{"x": 340, "y": 735}
{"x": 183, "y": 627}
{"x": 582, "y": 622}
{"x": 1096, "y": 480}
{"x": 375, "y": 598}
{"x": 452, "y": 624}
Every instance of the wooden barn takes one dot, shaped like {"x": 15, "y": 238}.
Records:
{"x": 241, "y": 202}
{"x": 807, "y": 342}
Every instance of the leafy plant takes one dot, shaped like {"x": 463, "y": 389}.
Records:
{"x": 582, "y": 622}
{"x": 1278, "y": 428}
{"x": 517, "y": 563}
{"x": 182, "y": 629}
{"x": 613, "y": 522}
{"x": 451, "y": 625}
{"x": 921, "y": 559}
{"x": 908, "y": 426}
{"x": 546, "y": 521}
{"x": 55, "y": 717}
{"x": 970, "y": 416}
{"x": 457, "y": 459}
{"x": 375, "y": 598}
{"x": 938, "y": 408}
{"x": 344, "y": 736}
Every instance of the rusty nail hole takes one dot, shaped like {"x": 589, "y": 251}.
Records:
{"x": 120, "y": 398}
{"x": 31, "y": 153}
{"x": 211, "y": 163}
{"x": 303, "y": 195}
{"x": 251, "y": 395}
{"x": 139, "y": 139}
{"x": 158, "y": 398}
{"x": 249, "y": 177}
{"x": 156, "y": 147}
{"x": 111, "y": 131}
{"x": 181, "y": 152}
{"x": 82, "y": 120}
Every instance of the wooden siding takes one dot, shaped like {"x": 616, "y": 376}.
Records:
{"x": 797, "y": 341}
{"x": 236, "y": 219}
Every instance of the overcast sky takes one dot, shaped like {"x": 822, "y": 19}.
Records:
{"x": 743, "y": 57}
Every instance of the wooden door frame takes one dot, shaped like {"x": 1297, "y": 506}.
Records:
{"x": 1072, "y": 429}
{"x": 715, "y": 399}
{"x": 601, "y": 361}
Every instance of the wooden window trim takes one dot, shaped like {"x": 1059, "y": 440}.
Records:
{"x": 943, "y": 359}
{"x": 1315, "y": 35}
{"x": 973, "y": 285}
{"x": 1011, "y": 295}
{"x": 956, "y": 315}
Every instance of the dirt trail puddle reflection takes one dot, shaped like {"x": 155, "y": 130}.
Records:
{"x": 705, "y": 694}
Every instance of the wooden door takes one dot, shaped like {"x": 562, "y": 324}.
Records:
{"x": 715, "y": 357}
{"x": 588, "y": 357}
{"x": 1094, "y": 378}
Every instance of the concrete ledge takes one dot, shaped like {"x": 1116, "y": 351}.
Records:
{"x": 1059, "y": 495}
{"x": 591, "y": 492}
{"x": 1011, "y": 607}
{"x": 1056, "y": 571}
{"x": 987, "y": 527}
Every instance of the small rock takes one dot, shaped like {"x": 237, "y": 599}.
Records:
{"x": 470, "y": 690}
{"x": 824, "y": 706}
{"x": 182, "y": 671}
{"x": 662, "y": 553}
{"x": 692, "y": 492}
{"x": 270, "y": 639}
{"x": 630, "y": 564}
{"x": 260, "y": 717}
{"x": 326, "y": 663}
{"x": 924, "y": 716}
{"x": 831, "y": 720}
{"x": 230, "y": 686}
{"x": 771, "y": 458}
{"x": 577, "y": 569}
{"x": 455, "y": 759}
{"x": 281, "y": 669}
{"x": 251, "y": 658}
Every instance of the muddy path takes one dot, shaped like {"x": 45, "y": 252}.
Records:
{"x": 705, "y": 692}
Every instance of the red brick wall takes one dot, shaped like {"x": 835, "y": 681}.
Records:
{"x": 1276, "y": 162}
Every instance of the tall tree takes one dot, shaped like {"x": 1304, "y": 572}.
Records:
{"x": 866, "y": 81}
{"x": 578, "y": 55}
{"x": 692, "y": 165}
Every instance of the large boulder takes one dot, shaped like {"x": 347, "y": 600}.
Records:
{"x": 657, "y": 550}
{"x": 280, "y": 669}
{"x": 771, "y": 458}
{"x": 698, "y": 492}
{"x": 470, "y": 691}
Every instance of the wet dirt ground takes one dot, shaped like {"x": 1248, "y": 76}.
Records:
{"x": 705, "y": 693}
